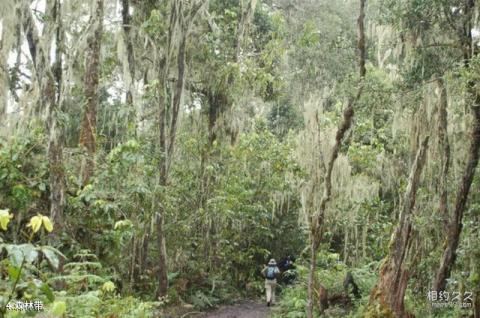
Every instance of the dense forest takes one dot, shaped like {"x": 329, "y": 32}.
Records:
{"x": 155, "y": 155}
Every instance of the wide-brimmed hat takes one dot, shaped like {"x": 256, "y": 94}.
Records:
{"x": 272, "y": 262}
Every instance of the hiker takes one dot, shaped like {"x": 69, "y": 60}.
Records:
{"x": 287, "y": 269}
{"x": 350, "y": 281}
{"x": 270, "y": 273}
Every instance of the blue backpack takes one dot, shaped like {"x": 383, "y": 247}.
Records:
{"x": 271, "y": 272}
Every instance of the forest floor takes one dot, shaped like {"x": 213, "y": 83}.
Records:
{"x": 243, "y": 309}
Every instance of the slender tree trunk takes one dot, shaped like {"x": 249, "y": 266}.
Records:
{"x": 243, "y": 25}
{"x": 49, "y": 79}
{"x": 39, "y": 61}
{"x": 14, "y": 76}
{"x": 159, "y": 219}
{"x": 164, "y": 148}
{"x": 178, "y": 93}
{"x": 162, "y": 258}
{"x": 455, "y": 225}
{"x": 139, "y": 252}
{"x": 178, "y": 19}
{"x": 392, "y": 283}
{"x": 144, "y": 251}
{"x": 311, "y": 276}
{"x": 345, "y": 246}
{"x": 127, "y": 36}
{"x": 92, "y": 73}
{"x": 318, "y": 218}
{"x": 55, "y": 142}
{"x": 162, "y": 166}
{"x": 444, "y": 147}
{"x": 6, "y": 44}
{"x": 454, "y": 228}
{"x": 132, "y": 271}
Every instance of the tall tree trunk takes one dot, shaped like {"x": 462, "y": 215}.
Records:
{"x": 178, "y": 93}
{"x": 49, "y": 80}
{"x": 454, "y": 228}
{"x": 127, "y": 37}
{"x": 39, "y": 61}
{"x": 163, "y": 73}
{"x": 7, "y": 41}
{"x": 55, "y": 142}
{"x": 314, "y": 244}
{"x": 162, "y": 181}
{"x": 159, "y": 219}
{"x": 243, "y": 24}
{"x": 455, "y": 225}
{"x": 316, "y": 222}
{"x": 163, "y": 160}
{"x": 144, "y": 250}
{"x": 92, "y": 74}
{"x": 392, "y": 283}
{"x": 182, "y": 19}
{"x": 162, "y": 257}
{"x": 139, "y": 246}
{"x": 444, "y": 148}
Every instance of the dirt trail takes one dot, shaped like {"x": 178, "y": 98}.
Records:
{"x": 244, "y": 309}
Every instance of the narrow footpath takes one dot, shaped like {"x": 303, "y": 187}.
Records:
{"x": 243, "y": 309}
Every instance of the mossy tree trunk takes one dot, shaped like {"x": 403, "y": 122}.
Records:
{"x": 389, "y": 292}
{"x": 48, "y": 76}
{"x": 91, "y": 79}
{"x": 455, "y": 222}
{"x": 181, "y": 19}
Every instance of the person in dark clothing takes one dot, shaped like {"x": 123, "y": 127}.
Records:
{"x": 287, "y": 267}
{"x": 349, "y": 281}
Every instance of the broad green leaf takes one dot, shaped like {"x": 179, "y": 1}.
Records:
{"x": 51, "y": 256}
{"x": 15, "y": 255}
{"x": 13, "y": 272}
{"x": 29, "y": 252}
{"x": 35, "y": 223}
{"x": 56, "y": 251}
{"x": 5, "y": 218}
{"x": 59, "y": 308}
{"x": 48, "y": 292}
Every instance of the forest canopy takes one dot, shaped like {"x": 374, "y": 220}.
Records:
{"x": 156, "y": 155}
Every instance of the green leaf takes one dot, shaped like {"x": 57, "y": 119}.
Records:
{"x": 15, "y": 255}
{"x": 13, "y": 272}
{"x": 29, "y": 252}
{"x": 51, "y": 256}
{"x": 48, "y": 292}
{"x": 59, "y": 308}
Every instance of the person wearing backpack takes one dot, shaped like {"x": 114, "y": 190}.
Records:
{"x": 270, "y": 272}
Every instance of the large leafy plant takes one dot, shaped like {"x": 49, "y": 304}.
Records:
{"x": 22, "y": 265}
